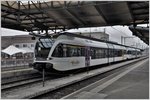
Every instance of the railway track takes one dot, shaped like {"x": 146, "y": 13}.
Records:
{"x": 18, "y": 75}
{"x": 19, "y": 83}
{"x": 13, "y": 79}
{"x": 58, "y": 91}
{"x": 25, "y": 82}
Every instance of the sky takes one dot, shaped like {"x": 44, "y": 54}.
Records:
{"x": 115, "y": 33}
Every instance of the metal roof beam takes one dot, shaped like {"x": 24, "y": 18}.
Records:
{"x": 138, "y": 2}
{"x": 18, "y": 11}
{"x": 52, "y": 8}
{"x": 101, "y": 13}
{"x": 18, "y": 15}
{"x": 29, "y": 10}
{"x": 147, "y": 13}
{"x": 130, "y": 10}
{"x": 44, "y": 12}
{"x": 15, "y": 26}
{"x": 8, "y": 13}
{"x": 6, "y": 17}
{"x": 139, "y": 8}
{"x": 38, "y": 18}
{"x": 72, "y": 14}
{"x": 40, "y": 22}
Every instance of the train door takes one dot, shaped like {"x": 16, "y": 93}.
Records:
{"x": 87, "y": 56}
{"x": 110, "y": 53}
{"x": 113, "y": 54}
{"x": 107, "y": 54}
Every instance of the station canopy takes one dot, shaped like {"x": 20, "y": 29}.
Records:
{"x": 11, "y": 50}
{"x": 141, "y": 32}
{"x": 53, "y": 15}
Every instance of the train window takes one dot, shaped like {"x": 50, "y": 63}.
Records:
{"x": 75, "y": 51}
{"x": 132, "y": 52}
{"x": 129, "y": 52}
{"x": 97, "y": 53}
{"x": 139, "y": 53}
{"x": 119, "y": 52}
{"x": 66, "y": 50}
{"x": 125, "y": 52}
{"x": 115, "y": 52}
{"x": 111, "y": 52}
{"x": 58, "y": 52}
{"x": 43, "y": 47}
{"x": 93, "y": 53}
{"x": 46, "y": 42}
{"x": 82, "y": 51}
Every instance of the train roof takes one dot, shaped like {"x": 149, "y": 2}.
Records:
{"x": 79, "y": 36}
{"x": 90, "y": 38}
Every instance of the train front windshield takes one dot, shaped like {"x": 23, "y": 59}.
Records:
{"x": 43, "y": 47}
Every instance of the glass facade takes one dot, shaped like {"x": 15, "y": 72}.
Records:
{"x": 43, "y": 47}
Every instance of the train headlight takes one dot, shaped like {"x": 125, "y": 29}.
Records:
{"x": 49, "y": 58}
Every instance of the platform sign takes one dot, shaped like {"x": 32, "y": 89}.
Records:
{"x": 87, "y": 56}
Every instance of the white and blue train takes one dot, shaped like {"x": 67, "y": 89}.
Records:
{"x": 69, "y": 51}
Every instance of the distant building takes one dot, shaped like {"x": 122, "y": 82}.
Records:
{"x": 98, "y": 35}
{"x": 19, "y": 41}
{"x": 24, "y": 42}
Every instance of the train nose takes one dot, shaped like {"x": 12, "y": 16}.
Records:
{"x": 48, "y": 65}
{"x": 40, "y": 66}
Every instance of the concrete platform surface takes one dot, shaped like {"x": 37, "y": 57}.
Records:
{"x": 132, "y": 83}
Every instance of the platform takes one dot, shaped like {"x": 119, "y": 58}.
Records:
{"x": 133, "y": 83}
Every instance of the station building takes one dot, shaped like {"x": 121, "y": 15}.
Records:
{"x": 19, "y": 41}
{"x": 98, "y": 35}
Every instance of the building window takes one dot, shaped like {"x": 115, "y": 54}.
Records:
{"x": 32, "y": 45}
{"x": 24, "y": 45}
{"x": 17, "y": 46}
